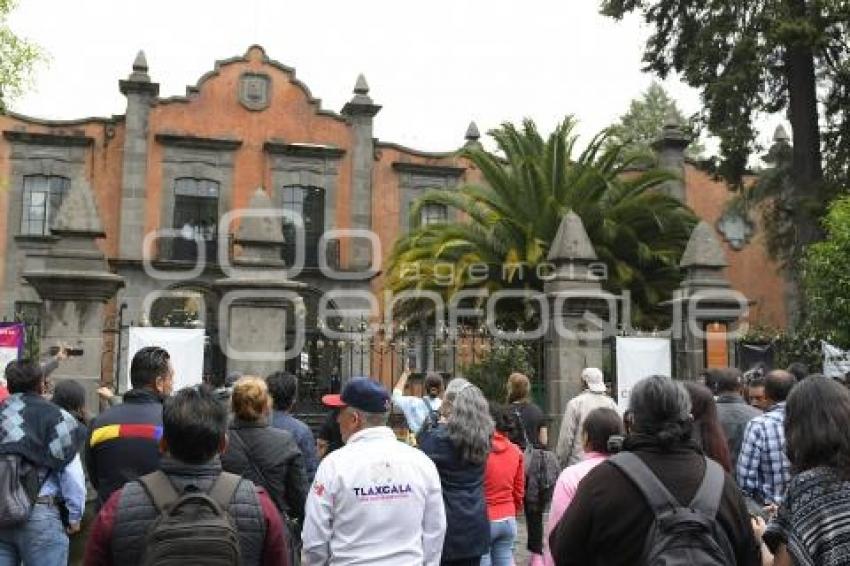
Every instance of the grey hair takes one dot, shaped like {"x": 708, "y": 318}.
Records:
{"x": 661, "y": 408}
{"x": 470, "y": 425}
{"x": 372, "y": 419}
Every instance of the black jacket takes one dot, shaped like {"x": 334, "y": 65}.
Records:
{"x": 116, "y": 454}
{"x": 467, "y": 525}
{"x": 270, "y": 458}
{"x": 608, "y": 518}
{"x": 734, "y": 414}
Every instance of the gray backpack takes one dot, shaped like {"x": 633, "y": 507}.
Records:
{"x": 194, "y": 527}
{"x": 681, "y": 536}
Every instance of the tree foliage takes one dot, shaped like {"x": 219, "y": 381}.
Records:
{"x": 509, "y": 221}
{"x": 17, "y": 59}
{"x": 747, "y": 58}
{"x": 638, "y": 128}
{"x": 491, "y": 373}
{"x": 827, "y": 278}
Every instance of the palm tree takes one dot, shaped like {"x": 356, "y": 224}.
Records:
{"x": 512, "y": 218}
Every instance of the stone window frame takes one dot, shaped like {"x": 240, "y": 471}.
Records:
{"x": 318, "y": 168}
{"x": 181, "y": 162}
{"x": 31, "y": 154}
{"x": 414, "y": 180}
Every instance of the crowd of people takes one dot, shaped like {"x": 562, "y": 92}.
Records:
{"x": 726, "y": 470}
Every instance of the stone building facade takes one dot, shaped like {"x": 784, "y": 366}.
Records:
{"x": 151, "y": 186}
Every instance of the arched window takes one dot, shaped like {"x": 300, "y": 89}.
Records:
{"x": 43, "y": 195}
{"x": 309, "y": 203}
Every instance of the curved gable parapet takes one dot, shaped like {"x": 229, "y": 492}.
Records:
{"x": 114, "y": 119}
{"x": 193, "y": 90}
{"x": 418, "y": 152}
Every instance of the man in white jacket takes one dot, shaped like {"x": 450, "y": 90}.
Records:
{"x": 569, "y": 449}
{"x": 376, "y": 500}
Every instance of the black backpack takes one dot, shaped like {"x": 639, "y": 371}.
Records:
{"x": 19, "y": 486}
{"x": 193, "y": 528}
{"x": 680, "y": 535}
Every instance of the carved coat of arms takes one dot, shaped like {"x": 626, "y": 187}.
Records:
{"x": 254, "y": 91}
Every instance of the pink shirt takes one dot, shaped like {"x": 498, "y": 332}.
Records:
{"x": 565, "y": 490}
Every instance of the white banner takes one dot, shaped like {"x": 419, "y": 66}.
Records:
{"x": 184, "y": 345}
{"x": 836, "y": 362}
{"x": 7, "y": 355}
{"x": 638, "y": 358}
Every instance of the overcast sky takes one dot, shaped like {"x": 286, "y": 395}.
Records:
{"x": 433, "y": 65}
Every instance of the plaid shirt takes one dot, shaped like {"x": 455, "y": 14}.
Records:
{"x": 763, "y": 470}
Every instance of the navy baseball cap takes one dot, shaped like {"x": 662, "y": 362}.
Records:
{"x": 361, "y": 393}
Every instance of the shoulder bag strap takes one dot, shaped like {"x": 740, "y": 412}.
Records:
{"x": 522, "y": 426}
{"x": 248, "y": 457}
{"x": 160, "y": 489}
{"x": 657, "y": 496}
{"x": 224, "y": 488}
{"x": 710, "y": 490}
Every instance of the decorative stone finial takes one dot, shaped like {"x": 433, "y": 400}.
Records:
{"x": 472, "y": 133}
{"x": 361, "y": 86}
{"x": 781, "y": 135}
{"x": 140, "y": 69}
{"x": 671, "y": 119}
{"x": 78, "y": 213}
{"x": 259, "y": 228}
{"x": 141, "y": 62}
{"x": 571, "y": 243}
{"x": 361, "y": 104}
{"x": 703, "y": 249}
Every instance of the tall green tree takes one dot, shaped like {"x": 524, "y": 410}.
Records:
{"x": 17, "y": 58}
{"x": 756, "y": 56}
{"x": 827, "y": 278}
{"x": 638, "y": 128}
{"x": 512, "y": 217}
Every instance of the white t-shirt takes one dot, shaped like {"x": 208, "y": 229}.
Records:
{"x": 375, "y": 501}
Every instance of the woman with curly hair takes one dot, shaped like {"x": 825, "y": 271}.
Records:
{"x": 459, "y": 446}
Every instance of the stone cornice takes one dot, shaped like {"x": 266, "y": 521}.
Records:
{"x": 431, "y": 170}
{"x": 35, "y": 138}
{"x": 303, "y": 149}
{"x": 196, "y": 142}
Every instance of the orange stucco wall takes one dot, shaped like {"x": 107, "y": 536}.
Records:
{"x": 214, "y": 111}
{"x": 751, "y": 270}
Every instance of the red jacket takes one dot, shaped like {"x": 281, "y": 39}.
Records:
{"x": 99, "y": 552}
{"x": 504, "y": 479}
{"x": 4, "y": 394}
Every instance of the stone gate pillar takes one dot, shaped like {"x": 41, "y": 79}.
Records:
{"x": 74, "y": 281}
{"x": 260, "y": 307}
{"x": 704, "y": 298}
{"x": 577, "y": 300}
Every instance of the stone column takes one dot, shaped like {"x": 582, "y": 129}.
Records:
{"x": 576, "y": 282}
{"x": 360, "y": 112}
{"x": 670, "y": 147}
{"x": 140, "y": 92}
{"x": 703, "y": 262}
{"x": 263, "y": 304}
{"x": 74, "y": 281}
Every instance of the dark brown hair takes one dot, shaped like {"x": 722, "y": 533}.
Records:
{"x": 706, "y": 424}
